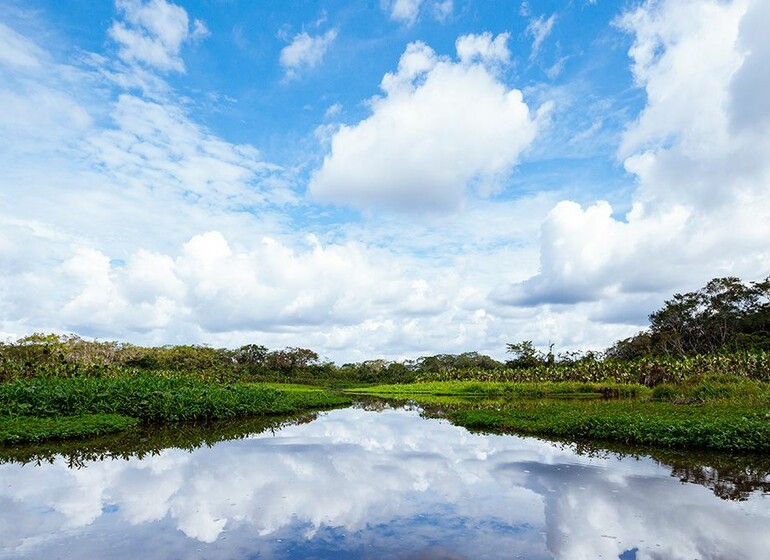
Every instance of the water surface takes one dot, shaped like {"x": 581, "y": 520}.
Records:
{"x": 359, "y": 483}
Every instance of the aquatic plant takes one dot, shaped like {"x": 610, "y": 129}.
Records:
{"x": 725, "y": 426}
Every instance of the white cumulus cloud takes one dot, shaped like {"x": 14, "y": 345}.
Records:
{"x": 699, "y": 153}
{"x": 441, "y": 127}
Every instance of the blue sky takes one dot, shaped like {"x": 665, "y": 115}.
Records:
{"x": 382, "y": 179}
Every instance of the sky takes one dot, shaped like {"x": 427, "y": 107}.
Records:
{"x": 384, "y": 179}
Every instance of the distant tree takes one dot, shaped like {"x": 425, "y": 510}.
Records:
{"x": 631, "y": 348}
{"x": 251, "y": 355}
{"x": 290, "y": 360}
{"x": 474, "y": 360}
{"x": 435, "y": 364}
{"x": 572, "y": 357}
{"x": 525, "y": 355}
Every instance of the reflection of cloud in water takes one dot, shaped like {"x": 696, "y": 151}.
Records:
{"x": 357, "y": 484}
{"x": 592, "y": 512}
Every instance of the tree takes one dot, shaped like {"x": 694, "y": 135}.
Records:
{"x": 251, "y": 355}
{"x": 631, "y": 348}
{"x": 289, "y": 360}
{"x": 726, "y": 314}
{"x": 524, "y": 355}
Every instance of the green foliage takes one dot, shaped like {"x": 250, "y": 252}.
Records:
{"x": 525, "y": 355}
{"x": 754, "y": 365}
{"x": 725, "y": 426}
{"x": 48, "y": 355}
{"x": 633, "y": 348}
{"x": 726, "y": 315}
{"x": 504, "y": 390}
{"x": 153, "y": 399}
{"x": 26, "y": 429}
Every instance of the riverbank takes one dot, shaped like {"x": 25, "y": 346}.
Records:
{"x": 721, "y": 413}
{"x": 58, "y": 408}
{"x": 713, "y": 412}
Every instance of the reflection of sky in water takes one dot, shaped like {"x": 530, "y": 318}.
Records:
{"x": 359, "y": 484}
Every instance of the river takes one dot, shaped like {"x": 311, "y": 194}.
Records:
{"x": 377, "y": 482}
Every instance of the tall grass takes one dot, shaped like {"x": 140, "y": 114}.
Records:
{"x": 152, "y": 398}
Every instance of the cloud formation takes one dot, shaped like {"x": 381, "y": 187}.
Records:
{"x": 407, "y": 12}
{"x": 120, "y": 185}
{"x": 153, "y": 32}
{"x": 305, "y": 52}
{"x": 539, "y": 29}
{"x": 701, "y": 207}
{"x": 443, "y": 127}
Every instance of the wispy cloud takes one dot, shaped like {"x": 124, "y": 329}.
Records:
{"x": 305, "y": 52}
{"x": 539, "y": 29}
{"x": 484, "y": 48}
{"x": 407, "y": 12}
{"x": 152, "y": 32}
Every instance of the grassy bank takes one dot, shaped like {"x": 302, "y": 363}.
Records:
{"x": 31, "y": 410}
{"x": 719, "y": 412}
{"x": 29, "y": 429}
{"x": 493, "y": 390}
{"x": 721, "y": 426}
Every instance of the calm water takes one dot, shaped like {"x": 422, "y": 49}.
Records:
{"x": 359, "y": 483}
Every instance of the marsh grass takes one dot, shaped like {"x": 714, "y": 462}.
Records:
{"x": 153, "y": 398}
{"x": 717, "y": 425}
{"x": 144, "y": 398}
{"x": 18, "y": 429}
{"x": 506, "y": 390}
{"x": 712, "y": 388}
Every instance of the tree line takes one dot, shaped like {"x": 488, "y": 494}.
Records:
{"x": 725, "y": 316}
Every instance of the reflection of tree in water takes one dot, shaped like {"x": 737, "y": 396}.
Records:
{"x": 734, "y": 481}
{"x": 147, "y": 441}
{"x": 378, "y": 404}
{"x": 728, "y": 476}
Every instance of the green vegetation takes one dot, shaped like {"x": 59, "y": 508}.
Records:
{"x": 726, "y": 315}
{"x": 718, "y": 426}
{"x": 28, "y": 407}
{"x": 491, "y": 390}
{"x": 153, "y": 399}
{"x": 16, "y": 429}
